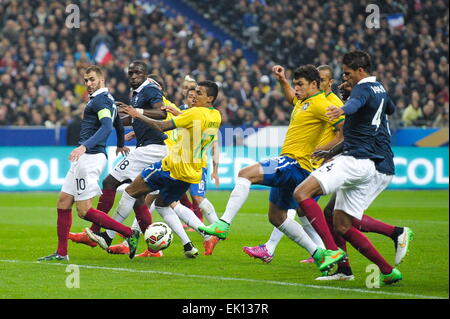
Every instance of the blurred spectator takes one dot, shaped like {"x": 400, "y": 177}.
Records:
{"x": 42, "y": 61}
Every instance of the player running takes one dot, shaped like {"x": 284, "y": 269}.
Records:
{"x": 353, "y": 175}
{"x": 284, "y": 173}
{"x": 330, "y": 137}
{"x": 147, "y": 98}
{"x": 88, "y": 160}
{"x": 181, "y": 167}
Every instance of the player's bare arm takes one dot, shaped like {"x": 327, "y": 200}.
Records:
{"x": 171, "y": 110}
{"x": 156, "y": 113}
{"x": 279, "y": 72}
{"x": 338, "y": 137}
{"x": 161, "y": 126}
{"x": 215, "y": 156}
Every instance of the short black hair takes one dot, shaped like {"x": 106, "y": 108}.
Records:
{"x": 141, "y": 64}
{"x": 308, "y": 72}
{"x": 212, "y": 89}
{"x": 358, "y": 59}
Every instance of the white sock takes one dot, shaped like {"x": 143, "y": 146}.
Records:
{"x": 237, "y": 198}
{"x": 309, "y": 229}
{"x": 295, "y": 232}
{"x": 189, "y": 217}
{"x": 276, "y": 235}
{"x": 126, "y": 204}
{"x": 208, "y": 211}
{"x": 135, "y": 225}
{"x": 172, "y": 220}
{"x": 291, "y": 213}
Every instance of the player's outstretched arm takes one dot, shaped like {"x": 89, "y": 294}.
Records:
{"x": 161, "y": 126}
{"x": 279, "y": 73}
{"x": 156, "y": 113}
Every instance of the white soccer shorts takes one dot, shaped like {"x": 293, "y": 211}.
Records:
{"x": 138, "y": 159}
{"x": 81, "y": 180}
{"x": 353, "y": 180}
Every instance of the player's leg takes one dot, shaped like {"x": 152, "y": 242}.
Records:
{"x": 63, "y": 224}
{"x": 324, "y": 259}
{"x": 304, "y": 195}
{"x": 344, "y": 226}
{"x": 162, "y": 206}
{"x": 311, "y": 233}
{"x": 198, "y": 194}
{"x": 247, "y": 176}
{"x": 192, "y": 220}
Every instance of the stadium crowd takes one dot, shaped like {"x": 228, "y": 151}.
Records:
{"x": 41, "y": 59}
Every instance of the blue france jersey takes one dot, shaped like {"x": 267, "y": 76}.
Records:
{"x": 145, "y": 97}
{"x": 91, "y": 122}
{"x": 364, "y": 111}
{"x": 383, "y": 143}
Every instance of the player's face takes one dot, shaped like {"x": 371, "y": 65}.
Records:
{"x": 201, "y": 97}
{"x": 93, "y": 82}
{"x": 351, "y": 76}
{"x": 303, "y": 88}
{"x": 190, "y": 99}
{"x": 325, "y": 80}
{"x": 186, "y": 86}
{"x": 136, "y": 75}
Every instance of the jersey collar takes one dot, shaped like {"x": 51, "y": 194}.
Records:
{"x": 369, "y": 79}
{"x": 320, "y": 92}
{"x": 99, "y": 91}
{"x": 139, "y": 89}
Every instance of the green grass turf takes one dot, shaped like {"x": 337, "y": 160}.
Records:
{"x": 28, "y": 231}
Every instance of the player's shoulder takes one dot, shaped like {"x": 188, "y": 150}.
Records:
{"x": 152, "y": 89}
{"x": 101, "y": 100}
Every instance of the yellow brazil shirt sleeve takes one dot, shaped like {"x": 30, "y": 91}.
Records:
{"x": 186, "y": 118}
{"x": 320, "y": 110}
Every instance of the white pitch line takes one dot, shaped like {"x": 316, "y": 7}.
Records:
{"x": 271, "y": 282}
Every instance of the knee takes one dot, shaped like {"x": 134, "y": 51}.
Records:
{"x": 300, "y": 195}
{"x": 197, "y": 200}
{"x": 341, "y": 229}
{"x": 81, "y": 212}
{"x": 110, "y": 183}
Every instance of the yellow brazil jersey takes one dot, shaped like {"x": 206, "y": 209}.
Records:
{"x": 172, "y": 135}
{"x": 329, "y": 133}
{"x": 197, "y": 129}
{"x": 307, "y": 125}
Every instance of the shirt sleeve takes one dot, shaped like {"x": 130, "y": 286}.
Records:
{"x": 358, "y": 99}
{"x": 186, "y": 118}
{"x": 321, "y": 109}
{"x": 153, "y": 96}
{"x": 390, "y": 107}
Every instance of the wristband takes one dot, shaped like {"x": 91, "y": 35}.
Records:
{"x": 140, "y": 111}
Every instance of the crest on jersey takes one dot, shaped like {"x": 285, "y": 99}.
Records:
{"x": 305, "y": 106}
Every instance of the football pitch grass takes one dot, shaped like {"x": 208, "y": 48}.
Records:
{"x": 28, "y": 231}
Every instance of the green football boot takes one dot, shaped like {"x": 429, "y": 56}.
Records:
{"x": 219, "y": 229}
{"x": 391, "y": 278}
{"x": 54, "y": 257}
{"x": 133, "y": 241}
{"x": 325, "y": 259}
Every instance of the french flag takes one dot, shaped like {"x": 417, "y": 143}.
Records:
{"x": 396, "y": 20}
{"x": 102, "y": 55}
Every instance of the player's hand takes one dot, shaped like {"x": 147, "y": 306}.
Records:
{"x": 76, "y": 153}
{"x": 345, "y": 90}
{"x": 279, "y": 72}
{"x": 215, "y": 177}
{"x": 334, "y": 112}
{"x": 131, "y": 111}
{"x": 170, "y": 109}
{"x": 130, "y": 136}
{"x": 121, "y": 104}
{"x": 122, "y": 150}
